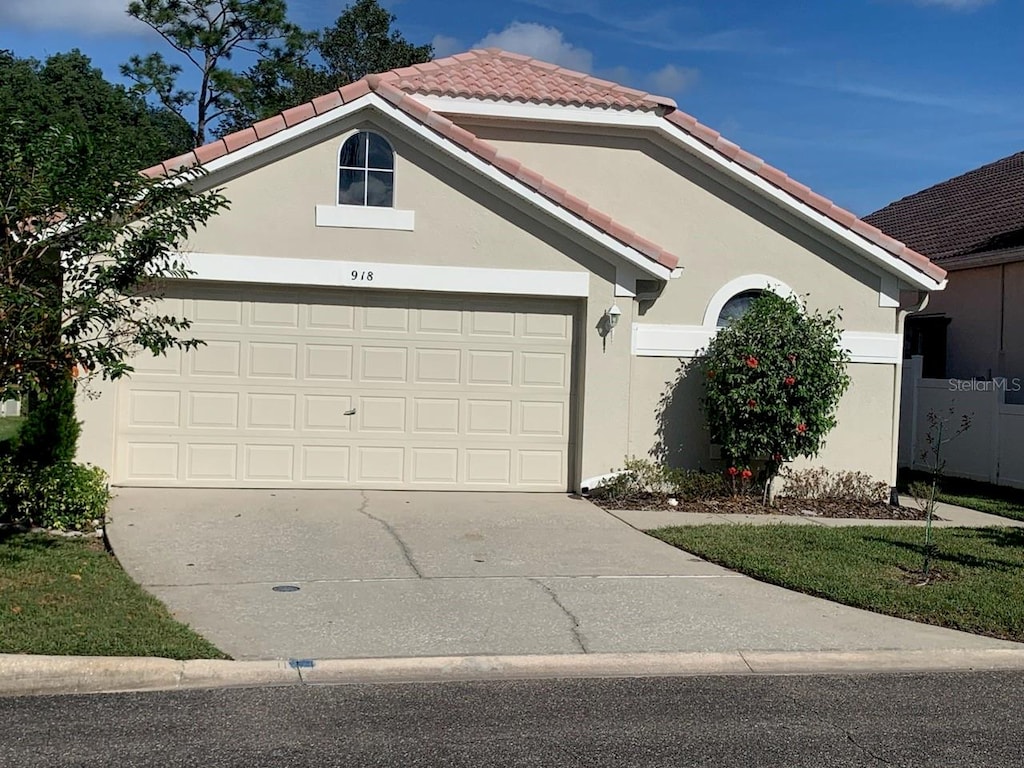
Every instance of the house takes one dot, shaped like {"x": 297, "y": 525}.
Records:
{"x": 482, "y": 273}
{"x": 973, "y": 226}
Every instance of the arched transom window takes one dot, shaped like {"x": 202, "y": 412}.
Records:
{"x": 366, "y": 171}
{"x": 736, "y": 307}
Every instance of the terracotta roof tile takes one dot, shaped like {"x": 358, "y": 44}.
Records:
{"x": 978, "y": 211}
{"x": 496, "y": 75}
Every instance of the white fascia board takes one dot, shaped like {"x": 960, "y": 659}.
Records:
{"x": 370, "y": 275}
{"x": 875, "y": 254}
{"x": 372, "y": 100}
{"x": 650, "y": 340}
{"x": 507, "y": 110}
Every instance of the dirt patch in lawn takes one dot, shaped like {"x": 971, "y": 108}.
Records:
{"x": 748, "y": 505}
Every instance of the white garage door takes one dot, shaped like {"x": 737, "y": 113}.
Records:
{"x": 317, "y": 388}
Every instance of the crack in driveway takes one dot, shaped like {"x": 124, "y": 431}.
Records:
{"x": 574, "y": 622}
{"x": 394, "y": 534}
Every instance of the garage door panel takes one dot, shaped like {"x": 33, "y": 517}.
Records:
{"x": 266, "y": 314}
{"x": 269, "y": 463}
{"x": 154, "y": 408}
{"x": 343, "y": 389}
{"x": 270, "y": 411}
{"x": 216, "y": 358}
{"x": 384, "y": 364}
{"x": 211, "y": 461}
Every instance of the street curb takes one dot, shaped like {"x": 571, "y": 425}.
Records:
{"x": 22, "y": 675}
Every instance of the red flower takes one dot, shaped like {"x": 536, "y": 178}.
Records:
{"x": 777, "y": 457}
{"x": 801, "y": 428}
{"x": 789, "y": 381}
{"x": 747, "y": 474}
{"x": 732, "y": 471}
{"x": 751, "y": 403}
{"x": 751, "y": 362}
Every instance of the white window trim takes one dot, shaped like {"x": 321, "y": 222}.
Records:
{"x": 366, "y": 169}
{"x": 653, "y": 340}
{"x": 741, "y": 285}
{"x": 365, "y": 217}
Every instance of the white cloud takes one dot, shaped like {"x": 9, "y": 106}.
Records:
{"x": 102, "y": 17}
{"x": 956, "y": 5}
{"x": 445, "y": 45}
{"x": 540, "y": 42}
{"x": 671, "y": 79}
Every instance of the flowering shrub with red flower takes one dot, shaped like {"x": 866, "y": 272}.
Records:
{"x": 778, "y": 375}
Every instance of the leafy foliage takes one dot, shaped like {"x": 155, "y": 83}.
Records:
{"x": 82, "y": 251}
{"x": 642, "y": 480}
{"x": 50, "y": 432}
{"x": 208, "y": 33}
{"x": 69, "y": 92}
{"x": 821, "y": 483}
{"x": 360, "y": 42}
{"x": 64, "y": 496}
{"x": 773, "y": 380}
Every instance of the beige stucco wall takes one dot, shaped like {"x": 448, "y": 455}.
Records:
{"x": 676, "y": 433}
{"x": 459, "y": 222}
{"x": 718, "y": 233}
{"x": 984, "y": 337}
{"x": 462, "y": 221}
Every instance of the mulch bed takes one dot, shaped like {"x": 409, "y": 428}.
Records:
{"x": 748, "y": 505}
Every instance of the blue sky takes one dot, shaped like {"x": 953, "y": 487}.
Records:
{"x": 863, "y": 100}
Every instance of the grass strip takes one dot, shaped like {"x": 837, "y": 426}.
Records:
{"x": 70, "y": 597}
{"x": 9, "y": 426}
{"x": 980, "y": 571}
{"x": 973, "y": 494}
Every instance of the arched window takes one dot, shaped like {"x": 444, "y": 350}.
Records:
{"x": 366, "y": 171}
{"x": 736, "y": 307}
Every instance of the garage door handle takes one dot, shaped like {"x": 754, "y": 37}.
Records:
{"x": 350, "y": 412}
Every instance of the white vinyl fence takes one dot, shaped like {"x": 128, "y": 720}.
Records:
{"x": 991, "y": 450}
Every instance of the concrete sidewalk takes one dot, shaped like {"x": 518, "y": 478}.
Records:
{"x": 947, "y": 516}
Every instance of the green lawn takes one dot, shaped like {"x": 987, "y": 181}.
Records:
{"x": 9, "y": 426}
{"x": 68, "y": 596}
{"x": 984, "y": 497}
{"x": 980, "y": 570}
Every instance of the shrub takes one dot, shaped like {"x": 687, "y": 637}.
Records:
{"x": 64, "y": 496}
{"x": 49, "y": 434}
{"x": 694, "y": 485}
{"x": 641, "y": 480}
{"x": 820, "y": 483}
{"x": 773, "y": 379}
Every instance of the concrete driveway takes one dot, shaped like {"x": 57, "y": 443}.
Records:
{"x": 388, "y": 573}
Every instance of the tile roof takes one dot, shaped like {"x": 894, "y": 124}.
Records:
{"x": 477, "y": 74}
{"x": 495, "y": 75}
{"x": 979, "y": 211}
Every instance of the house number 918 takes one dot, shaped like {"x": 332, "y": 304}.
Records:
{"x": 362, "y": 277}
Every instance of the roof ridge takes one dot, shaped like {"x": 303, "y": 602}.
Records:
{"x": 385, "y": 85}
{"x": 970, "y": 173}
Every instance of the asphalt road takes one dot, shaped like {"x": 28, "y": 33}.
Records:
{"x": 941, "y": 720}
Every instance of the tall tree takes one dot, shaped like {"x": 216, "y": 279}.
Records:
{"x": 208, "y": 33}
{"x": 82, "y": 248}
{"x": 360, "y": 42}
{"x": 67, "y": 91}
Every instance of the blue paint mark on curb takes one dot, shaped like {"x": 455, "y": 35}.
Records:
{"x": 300, "y": 663}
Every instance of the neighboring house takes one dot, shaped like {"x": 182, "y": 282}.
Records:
{"x": 481, "y": 273}
{"x": 973, "y": 226}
